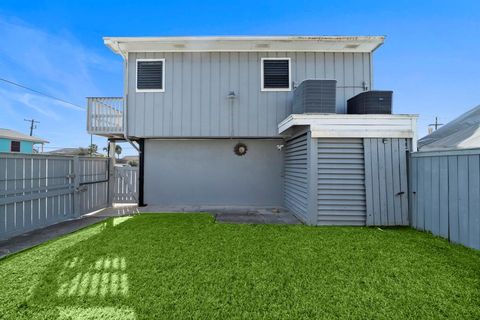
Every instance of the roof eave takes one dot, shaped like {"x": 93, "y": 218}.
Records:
{"x": 122, "y": 45}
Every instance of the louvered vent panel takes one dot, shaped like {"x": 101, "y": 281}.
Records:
{"x": 341, "y": 182}
{"x": 150, "y": 75}
{"x": 275, "y": 74}
{"x": 295, "y": 181}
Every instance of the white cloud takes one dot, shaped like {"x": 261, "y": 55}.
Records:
{"x": 57, "y": 64}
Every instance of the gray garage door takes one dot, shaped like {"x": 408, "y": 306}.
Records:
{"x": 208, "y": 172}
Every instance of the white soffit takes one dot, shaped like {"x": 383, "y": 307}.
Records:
{"x": 122, "y": 45}
{"x": 353, "y": 125}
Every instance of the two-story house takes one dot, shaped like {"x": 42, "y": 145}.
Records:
{"x": 214, "y": 121}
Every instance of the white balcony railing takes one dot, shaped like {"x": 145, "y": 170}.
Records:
{"x": 105, "y": 115}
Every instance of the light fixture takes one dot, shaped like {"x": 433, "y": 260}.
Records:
{"x": 231, "y": 95}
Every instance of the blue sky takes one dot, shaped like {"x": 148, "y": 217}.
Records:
{"x": 431, "y": 56}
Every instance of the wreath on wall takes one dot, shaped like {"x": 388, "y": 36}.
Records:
{"x": 240, "y": 149}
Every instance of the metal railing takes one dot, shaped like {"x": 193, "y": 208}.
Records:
{"x": 105, "y": 115}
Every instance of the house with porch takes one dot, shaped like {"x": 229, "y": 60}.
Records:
{"x": 287, "y": 122}
{"x": 12, "y": 141}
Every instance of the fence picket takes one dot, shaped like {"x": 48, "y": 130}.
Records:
{"x": 37, "y": 190}
{"x": 448, "y": 194}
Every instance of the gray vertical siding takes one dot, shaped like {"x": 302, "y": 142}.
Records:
{"x": 445, "y": 195}
{"x": 341, "y": 182}
{"x": 296, "y": 176}
{"x": 386, "y": 181}
{"x": 195, "y": 100}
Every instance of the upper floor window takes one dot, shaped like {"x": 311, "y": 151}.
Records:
{"x": 276, "y": 74}
{"x": 150, "y": 75}
{"x": 15, "y": 146}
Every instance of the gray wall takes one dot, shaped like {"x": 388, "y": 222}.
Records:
{"x": 386, "y": 181}
{"x": 209, "y": 173}
{"x": 445, "y": 194}
{"x": 341, "y": 182}
{"x": 195, "y": 100}
{"x": 296, "y": 176}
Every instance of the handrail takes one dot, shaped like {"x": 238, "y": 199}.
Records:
{"x": 105, "y": 115}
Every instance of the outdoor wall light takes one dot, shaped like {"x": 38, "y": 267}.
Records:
{"x": 231, "y": 95}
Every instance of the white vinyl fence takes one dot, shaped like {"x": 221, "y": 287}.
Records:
{"x": 125, "y": 185}
{"x": 39, "y": 190}
{"x": 445, "y": 194}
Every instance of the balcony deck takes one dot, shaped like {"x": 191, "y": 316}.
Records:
{"x": 105, "y": 116}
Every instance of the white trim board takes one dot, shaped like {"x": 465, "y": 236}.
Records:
{"x": 354, "y": 126}
{"x": 365, "y": 44}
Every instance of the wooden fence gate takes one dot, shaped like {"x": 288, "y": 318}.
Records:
{"x": 125, "y": 185}
{"x": 38, "y": 190}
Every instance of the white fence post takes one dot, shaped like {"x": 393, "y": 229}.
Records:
{"x": 76, "y": 184}
{"x": 111, "y": 172}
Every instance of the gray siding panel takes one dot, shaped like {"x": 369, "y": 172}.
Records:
{"x": 195, "y": 100}
{"x": 386, "y": 181}
{"x": 341, "y": 182}
{"x": 446, "y": 195}
{"x": 296, "y": 179}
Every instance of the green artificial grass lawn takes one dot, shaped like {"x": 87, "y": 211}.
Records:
{"x": 177, "y": 266}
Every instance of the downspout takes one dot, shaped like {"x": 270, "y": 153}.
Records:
{"x": 125, "y": 97}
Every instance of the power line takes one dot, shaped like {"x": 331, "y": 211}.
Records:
{"x": 32, "y": 125}
{"x": 41, "y": 93}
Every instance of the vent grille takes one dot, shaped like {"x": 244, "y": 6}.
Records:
{"x": 341, "y": 182}
{"x": 150, "y": 75}
{"x": 276, "y": 74}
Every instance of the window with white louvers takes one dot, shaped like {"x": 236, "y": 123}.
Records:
{"x": 276, "y": 74}
{"x": 150, "y": 75}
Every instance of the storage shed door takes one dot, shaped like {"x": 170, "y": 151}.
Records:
{"x": 386, "y": 181}
{"x": 341, "y": 182}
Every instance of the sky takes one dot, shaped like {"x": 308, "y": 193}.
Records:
{"x": 430, "y": 59}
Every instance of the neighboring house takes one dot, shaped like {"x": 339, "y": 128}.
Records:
{"x": 74, "y": 152}
{"x": 17, "y": 142}
{"x": 216, "y": 126}
{"x": 460, "y": 133}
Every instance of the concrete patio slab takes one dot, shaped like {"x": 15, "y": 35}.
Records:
{"x": 240, "y": 215}
{"x": 231, "y": 214}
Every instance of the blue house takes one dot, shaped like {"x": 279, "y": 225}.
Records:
{"x": 17, "y": 142}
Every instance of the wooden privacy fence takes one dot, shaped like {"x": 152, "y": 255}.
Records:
{"x": 39, "y": 190}
{"x": 125, "y": 185}
{"x": 445, "y": 194}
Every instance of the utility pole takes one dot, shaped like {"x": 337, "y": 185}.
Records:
{"x": 32, "y": 125}
{"x": 436, "y": 124}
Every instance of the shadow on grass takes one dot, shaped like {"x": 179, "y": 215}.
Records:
{"x": 186, "y": 266}
{"x": 88, "y": 280}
